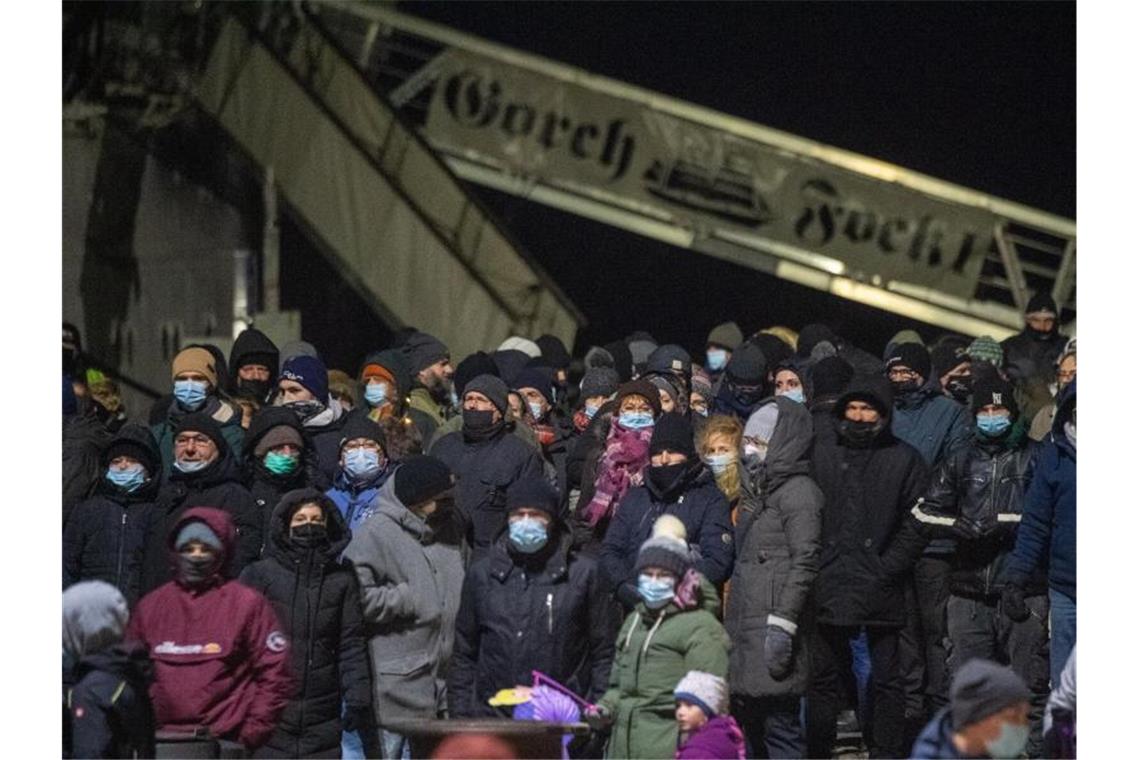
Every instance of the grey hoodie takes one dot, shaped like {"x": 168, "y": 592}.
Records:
{"x": 94, "y": 618}
{"x": 410, "y": 586}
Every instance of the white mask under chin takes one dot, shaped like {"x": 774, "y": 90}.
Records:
{"x": 758, "y": 453}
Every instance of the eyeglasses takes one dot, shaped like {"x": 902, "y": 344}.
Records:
{"x": 197, "y": 440}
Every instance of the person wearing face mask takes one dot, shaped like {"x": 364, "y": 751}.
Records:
{"x": 277, "y": 459}
{"x": 532, "y": 603}
{"x": 778, "y": 548}
{"x": 1040, "y": 341}
{"x": 254, "y": 360}
{"x": 195, "y": 376}
{"x": 386, "y": 383}
{"x": 976, "y": 497}
{"x": 722, "y": 341}
{"x": 614, "y": 464}
{"x": 429, "y": 363}
{"x": 676, "y": 483}
{"x": 317, "y": 600}
{"x": 364, "y": 467}
{"x": 700, "y": 397}
{"x": 671, "y": 630}
{"x": 409, "y": 559}
{"x": 105, "y": 537}
{"x": 486, "y": 458}
{"x": 988, "y": 716}
{"x": 829, "y": 378}
{"x": 205, "y": 471}
{"x": 791, "y": 380}
{"x": 221, "y": 656}
{"x": 555, "y": 356}
{"x": 718, "y": 444}
{"x": 596, "y": 388}
{"x": 303, "y": 387}
{"x": 552, "y": 430}
{"x": 1047, "y": 535}
{"x": 743, "y": 383}
{"x": 1066, "y": 373}
{"x": 950, "y": 363}
{"x": 870, "y": 542}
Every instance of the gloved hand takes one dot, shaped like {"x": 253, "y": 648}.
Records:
{"x": 598, "y": 717}
{"x": 1013, "y": 603}
{"x": 778, "y": 651}
{"x": 966, "y": 529}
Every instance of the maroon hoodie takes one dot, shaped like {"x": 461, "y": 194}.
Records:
{"x": 221, "y": 659}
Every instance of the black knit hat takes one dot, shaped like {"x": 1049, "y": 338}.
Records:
{"x": 360, "y": 425}
{"x": 945, "y": 357}
{"x": 910, "y": 355}
{"x": 424, "y": 350}
{"x": 137, "y": 442}
{"x": 538, "y": 378}
{"x": 774, "y": 349}
{"x": 992, "y": 389}
{"x": 478, "y": 363}
{"x": 1041, "y": 302}
{"x": 421, "y": 478}
{"x": 830, "y": 376}
{"x": 982, "y": 688}
{"x": 673, "y": 432}
{"x": 535, "y": 493}
{"x": 599, "y": 381}
{"x": 811, "y": 335}
{"x": 554, "y": 351}
{"x": 492, "y": 387}
{"x": 207, "y": 426}
{"x": 748, "y": 365}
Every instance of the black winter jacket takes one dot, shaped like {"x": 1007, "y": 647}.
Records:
{"x": 983, "y": 484}
{"x": 870, "y": 539}
{"x": 106, "y": 705}
{"x": 325, "y": 441}
{"x": 316, "y": 597}
{"x": 217, "y": 485}
{"x": 85, "y": 438}
{"x": 698, "y": 503}
{"x": 485, "y": 469}
{"x": 550, "y": 613}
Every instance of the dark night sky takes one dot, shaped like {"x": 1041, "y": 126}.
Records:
{"x": 980, "y": 94}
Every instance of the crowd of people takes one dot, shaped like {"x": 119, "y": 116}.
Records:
{"x": 724, "y": 558}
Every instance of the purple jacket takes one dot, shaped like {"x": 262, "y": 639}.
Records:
{"x": 719, "y": 739}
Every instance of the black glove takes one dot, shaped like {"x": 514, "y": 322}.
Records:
{"x": 966, "y": 529}
{"x": 356, "y": 718}
{"x": 778, "y": 651}
{"x": 1013, "y": 603}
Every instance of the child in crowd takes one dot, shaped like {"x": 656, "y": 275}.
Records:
{"x": 704, "y": 728}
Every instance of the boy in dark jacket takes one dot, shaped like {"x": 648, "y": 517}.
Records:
{"x": 988, "y": 716}
{"x": 316, "y": 598}
{"x": 705, "y": 730}
{"x": 107, "y": 712}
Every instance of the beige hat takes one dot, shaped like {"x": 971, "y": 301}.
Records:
{"x": 195, "y": 360}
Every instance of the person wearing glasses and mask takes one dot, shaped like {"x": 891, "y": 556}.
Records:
{"x": 363, "y": 468}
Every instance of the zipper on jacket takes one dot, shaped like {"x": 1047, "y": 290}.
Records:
{"x": 550, "y": 613}
{"x": 122, "y": 537}
{"x": 995, "y": 510}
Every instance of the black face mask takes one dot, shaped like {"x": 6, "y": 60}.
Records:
{"x": 478, "y": 420}
{"x": 258, "y": 389}
{"x": 310, "y": 535}
{"x": 665, "y": 479}
{"x": 860, "y": 434}
{"x": 960, "y": 389}
{"x": 746, "y": 395}
{"x": 1042, "y": 335}
{"x": 194, "y": 571}
{"x": 904, "y": 387}
{"x": 306, "y": 410}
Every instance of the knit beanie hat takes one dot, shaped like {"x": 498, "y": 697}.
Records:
{"x": 478, "y": 363}
{"x": 702, "y": 384}
{"x": 277, "y": 436}
{"x": 761, "y": 424}
{"x": 198, "y": 360}
{"x": 599, "y": 381}
{"x": 669, "y": 359}
{"x": 421, "y": 478}
{"x": 830, "y": 376}
{"x": 812, "y": 334}
{"x": 992, "y": 389}
{"x": 726, "y": 335}
{"x": 945, "y": 357}
{"x": 508, "y": 363}
{"x": 127, "y": 443}
{"x": 913, "y": 355}
{"x": 358, "y": 425}
{"x": 1041, "y": 304}
{"x": 423, "y": 350}
{"x": 986, "y": 349}
{"x": 207, "y": 426}
{"x": 981, "y": 688}
{"x": 554, "y": 351}
{"x": 705, "y": 690}
{"x": 196, "y": 530}
{"x": 492, "y": 387}
{"x": 665, "y": 552}
{"x": 538, "y": 378}
{"x": 310, "y": 372}
{"x": 298, "y": 348}
{"x": 516, "y": 343}
{"x": 673, "y": 432}
{"x": 663, "y": 383}
{"x": 748, "y": 365}
{"x": 640, "y": 387}
{"x": 898, "y": 339}
{"x": 534, "y": 493}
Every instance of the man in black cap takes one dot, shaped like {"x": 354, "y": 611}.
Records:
{"x": 988, "y": 716}
{"x": 430, "y": 364}
{"x": 1039, "y": 344}
{"x": 976, "y": 499}
{"x": 828, "y": 378}
{"x": 744, "y": 383}
{"x": 486, "y": 459}
{"x": 532, "y": 603}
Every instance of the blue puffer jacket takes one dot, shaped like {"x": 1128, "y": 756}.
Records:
{"x": 356, "y": 501}
{"x": 1048, "y": 531}
{"x": 936, "y": 742}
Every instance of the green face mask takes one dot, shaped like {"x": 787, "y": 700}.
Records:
{"x": 281, "y": 464}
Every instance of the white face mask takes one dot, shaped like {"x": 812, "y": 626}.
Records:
{"x": 1009, "y": 743}
{"x": 758, "y": 453}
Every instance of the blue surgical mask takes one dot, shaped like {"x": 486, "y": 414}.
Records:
{"x": 527, "y": 535}
{"x": 993, "y": 426}
{"x": 635, "y": 420}
{"x": 591, "y": 410}
{"x": 535, "y": 410}
{"x": 129, "y": 479}
{"x": 657, "y": 592}
{"x": 1009, "y": 743}
{"x": 191, "y": 394}
{"x": 716, "y": 359}
{"x": 719, "y": 463}
{"x": 361, "y": 463}
{"x": 795, "y": 394}
{"x": 375, "y": 394}
{"x": 187, "y": 466}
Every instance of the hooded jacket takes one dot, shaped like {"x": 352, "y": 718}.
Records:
{"x": 410, "y": 583}
{"x": 324, "y": 439}
{"x": 936, "y": 742}
{"x": 654, "y": 651}
{"x": 224, "y": 413}
{"x": 221, "y": 656}
{"x": 697, "y": 502}
{"x": 719, "y": 739}
{"x": 778, "y": 548}
{"x": 1048, "y": 530}
{"x": 85, "y": 437}
{"x": 869, "y": 538}
{"x": 217, "y": 485}
{"x": 317, "y": 599}
{"x": 106, "y": 535}
{"x": 548, "y": 612}
{"x": 266, "y": 487}
{"x": 253, "y": 344}
{"x": 485, "y": 470}
{"x": 1036, "y": 354}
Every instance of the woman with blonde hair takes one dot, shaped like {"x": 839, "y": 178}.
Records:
{"x": 718, "y": 445}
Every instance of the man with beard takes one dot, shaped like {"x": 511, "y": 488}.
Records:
{"x": 430, "y": 364}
